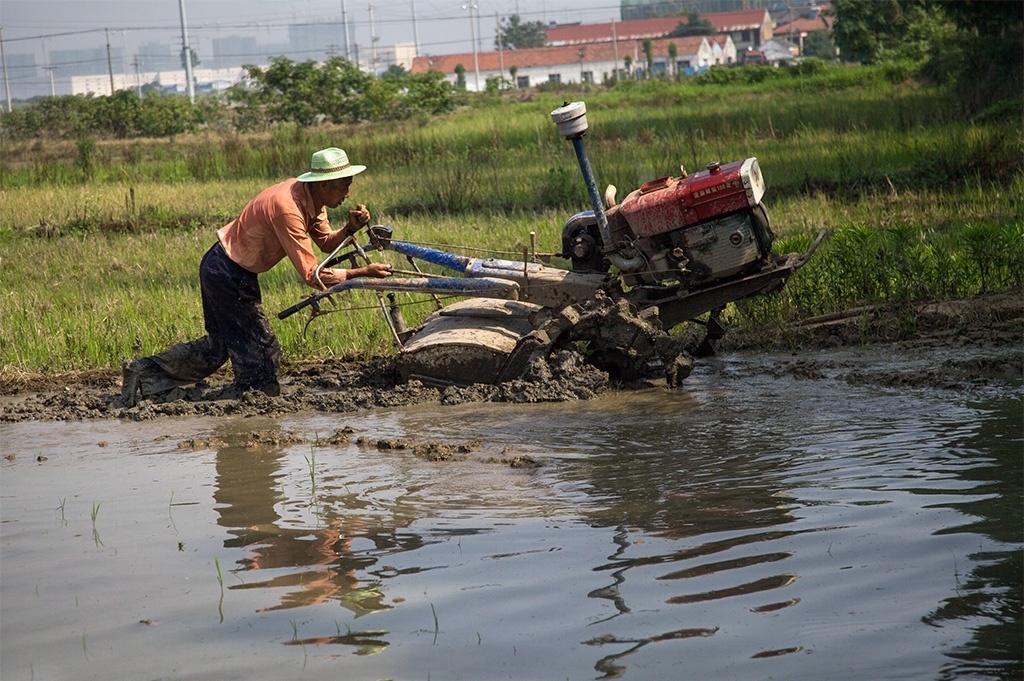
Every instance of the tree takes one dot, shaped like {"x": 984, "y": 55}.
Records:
{"x": 819, "y": 44}
{"x": 978, "y": 47}
{"x": 303, "y": 92}
{"x": 193, "y": 54}
{"x": 649, "y": 56}
{"x": 512, "y": 71}
{"x": 514, "y": 34}
{"x": 673, "y": 55}
{"x": 460, "y": 77}
{"x": 628, "y": 62}
{"x": 984, "y": 59}
{"x": 884, "y": 30}
{"x": 695, "y": 25}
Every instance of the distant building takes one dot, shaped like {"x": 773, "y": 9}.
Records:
{"x": 590, "y": 63}
{"x": 746, "y": 29}
{"x": 234, "y": 51}
{"x": 401, "y": 54}
{"x": 68, "y": 63}
{"x": 773, "y": 52}
{"x": 316, "y": 41}
{"x": 159, "y": 56}
{"x": 208, "y": 80}
{"x": 21, "y": 67}
{"x": 631, "y": 10}
{"x": 795, "y": 23}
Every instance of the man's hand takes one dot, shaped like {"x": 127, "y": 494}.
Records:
{"x": 378, "y": 269}
{"x": 357, "y": 219}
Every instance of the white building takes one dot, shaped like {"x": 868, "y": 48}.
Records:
{"x": 584, "y": 63}
{"x": 174, "y": 81}
{"x": 216, "y": 80}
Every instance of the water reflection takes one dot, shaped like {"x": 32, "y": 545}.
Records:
{"x": 305, "y": 563}
{"x": 993, "y": 590}
{"x": 718, "y": 527}
{"x": 721, "y": 488}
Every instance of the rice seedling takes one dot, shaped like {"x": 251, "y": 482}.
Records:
{"x": 311, "y": 463}
{"x": 170, "y": 516}
{"x": 220, "y": 582}
{"x": 95, "y": 532}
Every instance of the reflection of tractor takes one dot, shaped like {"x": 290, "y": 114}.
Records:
{"x": 673, "y": 250}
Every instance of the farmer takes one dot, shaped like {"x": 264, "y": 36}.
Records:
{"x": 279, "y": 222}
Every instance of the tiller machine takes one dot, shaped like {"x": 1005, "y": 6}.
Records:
{"x": 674, "y": 250}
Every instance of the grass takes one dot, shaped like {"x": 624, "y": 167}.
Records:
{"x": 919, "y": 204}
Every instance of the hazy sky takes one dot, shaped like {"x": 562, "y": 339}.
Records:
{"x": 36, "y": 27}
{"x": 442, "y": 26}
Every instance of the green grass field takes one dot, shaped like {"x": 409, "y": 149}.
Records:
{"x": 100, "y": 243}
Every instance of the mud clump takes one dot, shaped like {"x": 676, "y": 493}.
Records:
{"x": 432, "y": 450}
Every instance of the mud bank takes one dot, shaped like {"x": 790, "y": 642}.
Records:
{"x": 980, "y": 342}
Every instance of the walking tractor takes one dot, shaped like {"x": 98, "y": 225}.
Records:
{"x": 675, "y": 250}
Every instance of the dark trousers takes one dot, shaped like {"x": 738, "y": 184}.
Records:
{"x": 237, "y": 328}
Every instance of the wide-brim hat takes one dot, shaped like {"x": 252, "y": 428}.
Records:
{"x": 329, "y": 164}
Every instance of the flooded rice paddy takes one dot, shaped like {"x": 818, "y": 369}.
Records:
{"x": 753, "y": 524}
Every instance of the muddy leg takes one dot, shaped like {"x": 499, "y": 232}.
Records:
{"x": 233, "y": 312}
{"x": 180, "y": 364}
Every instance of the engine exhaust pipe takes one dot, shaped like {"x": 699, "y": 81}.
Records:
{"x": 571, "y": 121}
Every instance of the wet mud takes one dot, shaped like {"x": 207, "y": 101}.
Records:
{"x": 975, "y": 342}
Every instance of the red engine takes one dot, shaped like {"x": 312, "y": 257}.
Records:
{"x": 672, "y": 203}
{"x": 702, "y": 227}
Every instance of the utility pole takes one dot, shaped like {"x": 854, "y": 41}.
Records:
{"x": 53, "y": 90}
{"x": 138, "y": 83}
{"x": 345, "y": 51}
{"x": 615, "y": 50}
{"x": 501, "y": 52}
{"x": 186, "y": 50}
{"x": 415, "y": 32}
{"x": 3, "y": 58}
{"x": 471, "y": 6}
{"x": 110, "y": 64}
{"x": 373, "y": 43}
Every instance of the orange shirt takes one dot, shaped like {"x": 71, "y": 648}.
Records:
{"x": 280, "y": 221}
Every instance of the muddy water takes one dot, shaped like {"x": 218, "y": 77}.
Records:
{"x": 800, "y": 524}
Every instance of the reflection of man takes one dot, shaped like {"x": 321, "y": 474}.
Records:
{"x": 279, "y": 222}
{"x": 316, "y": 562}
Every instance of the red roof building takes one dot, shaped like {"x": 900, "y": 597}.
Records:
{"x": 748, "y": 28}
{"x": 799, "y": 27}
{"x": 591, "y": 62}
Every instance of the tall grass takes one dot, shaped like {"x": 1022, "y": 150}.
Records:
{"x": 101, "y": 266}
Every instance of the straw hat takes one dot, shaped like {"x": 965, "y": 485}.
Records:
{"x": 329, "y": 164}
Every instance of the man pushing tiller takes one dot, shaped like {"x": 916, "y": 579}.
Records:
{"x": 279, "y": 222}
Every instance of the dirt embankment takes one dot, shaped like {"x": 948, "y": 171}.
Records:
{"x": 989, "y": 330}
